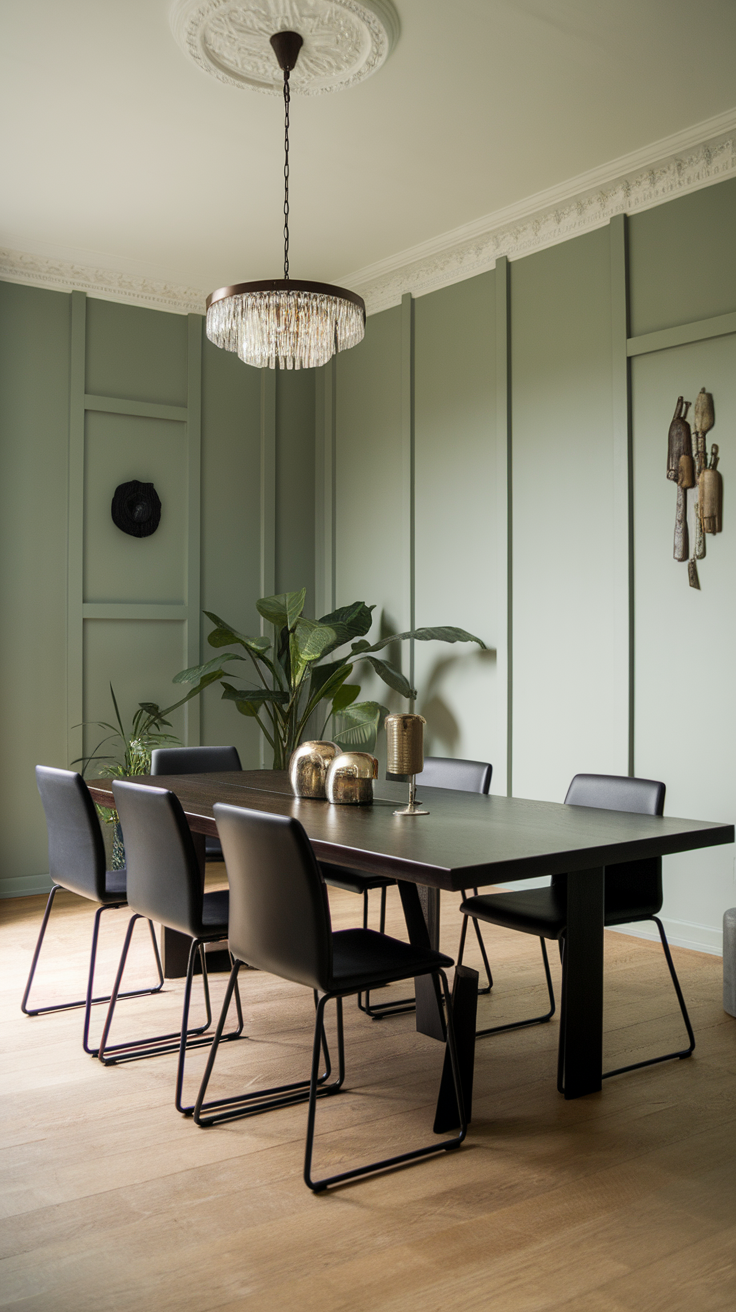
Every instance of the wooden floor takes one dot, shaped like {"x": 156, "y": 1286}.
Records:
{"x": 619, "y": 1202}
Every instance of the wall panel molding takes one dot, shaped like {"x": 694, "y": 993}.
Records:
{"x": 407, "y": 549}
{"x": 623, "y": 490}
{"x": 722, "y": 325}
{"x": 504, "y": 475}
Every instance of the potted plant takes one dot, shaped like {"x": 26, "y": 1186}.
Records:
{"x": 292, "y": 677}
{"x": 131, "y": 756}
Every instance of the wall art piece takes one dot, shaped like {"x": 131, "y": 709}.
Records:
{"x": 136, "y": 508}
{"x": 690, "y": 467}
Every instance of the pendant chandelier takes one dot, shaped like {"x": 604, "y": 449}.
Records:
{"x": 299, "y": 324}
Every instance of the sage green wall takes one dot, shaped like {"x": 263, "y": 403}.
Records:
{"x": 35, "y": 328}
{"x": 564, "y": 545}
{"x": 527, "y": 500}
{"x": 455, "y": 538}
{"x": 93, "y": 394}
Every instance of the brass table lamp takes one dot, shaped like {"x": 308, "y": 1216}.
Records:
{"x": 405, "y": 754}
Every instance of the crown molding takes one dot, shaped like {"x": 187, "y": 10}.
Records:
{"x": 105, "y": 284}
{"x": 674, "y": 166}
{"x": 685, "y": 162}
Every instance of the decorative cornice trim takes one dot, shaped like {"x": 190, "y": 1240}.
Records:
{"x": 106, "y": 284}
{"x": 688, "y": 161}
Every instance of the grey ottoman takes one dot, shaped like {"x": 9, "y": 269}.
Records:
{"x": 729, "y": 961}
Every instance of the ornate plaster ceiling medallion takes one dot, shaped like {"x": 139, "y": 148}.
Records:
{"x": 344, "y": 40}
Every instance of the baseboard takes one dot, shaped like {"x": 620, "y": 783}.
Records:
{"x": 680, "y": 934}
{"x": 25, "y": 886}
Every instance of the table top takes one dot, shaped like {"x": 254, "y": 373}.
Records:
{"x": 466, "y": 841}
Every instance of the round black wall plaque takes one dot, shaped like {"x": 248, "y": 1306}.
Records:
{"x": 136, "y": 508}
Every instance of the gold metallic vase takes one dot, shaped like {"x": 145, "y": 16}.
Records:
{"x": 350, "y": 778}
{"x": 308, "y": 768}
{"x": 405, "y": 754}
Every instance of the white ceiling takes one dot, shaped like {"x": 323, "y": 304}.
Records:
{"x": 118, "y": 151}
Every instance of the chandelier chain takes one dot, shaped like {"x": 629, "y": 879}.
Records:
{"x": 287, "y": 99}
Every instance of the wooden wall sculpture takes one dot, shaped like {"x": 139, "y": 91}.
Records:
{"x": 689, "y": 467}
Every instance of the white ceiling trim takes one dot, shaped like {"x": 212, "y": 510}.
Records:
{"x": 105, "y": 284}
{"x": 688, "y": 161}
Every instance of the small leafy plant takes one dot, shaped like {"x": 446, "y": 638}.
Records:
{"x": 293, "y": 676}
{"x": 133, "y": 753}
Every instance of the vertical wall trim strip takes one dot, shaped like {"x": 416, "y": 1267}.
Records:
{"x": 75, "y": 530}
{"x": 194, "y": 555}
{"x": 504, "y": 645}
{"x": 324, "y": 485}
{"x": 268, "y": 501}
{"x": 407, "y": 471}
{"x": 623, "y": 501}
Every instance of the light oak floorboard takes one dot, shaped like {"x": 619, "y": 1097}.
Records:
{"x": 619, "y": 1202}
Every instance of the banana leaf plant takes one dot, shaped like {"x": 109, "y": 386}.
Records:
{"x": 293, "y": 676}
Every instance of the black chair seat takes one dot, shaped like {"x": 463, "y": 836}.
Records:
{"x": 539, "y": 911}
{"x": 352, "y": 880}
{"x": 362, "y": 959}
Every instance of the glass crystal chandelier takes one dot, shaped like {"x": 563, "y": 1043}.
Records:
{"x": 299, "y": 324}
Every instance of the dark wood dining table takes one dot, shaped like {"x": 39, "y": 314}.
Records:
{"x": 467, "y": 841}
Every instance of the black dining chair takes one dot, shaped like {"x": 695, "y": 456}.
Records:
{"x": 77, "y": 864}
{"x": 633, "y": 893}
{"x": 280, "y": 923}
{"x": 165, "y": 884}
{"x": 438, "y": 772}
{"x": 197, "y": 760}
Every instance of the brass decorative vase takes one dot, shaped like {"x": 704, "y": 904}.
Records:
{"x": 350, "y": 778}
{"x": 308, "y": 768}
{"x": 405, "y": 754}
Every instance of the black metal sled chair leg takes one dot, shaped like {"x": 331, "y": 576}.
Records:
{"x": 261, "y": 1100}
{"x": 681, "y": 1053}
{"x": 463, "y": 933}
{"x": 397, "y": 1159}
{"x": 88, "y": 1001}
{"x": 181, "y": 1040}
{"x": 378, "y": 1010}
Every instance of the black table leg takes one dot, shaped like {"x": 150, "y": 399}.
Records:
{"x": 581, "y": 1039}
{"x": 430, "y": 1016}
{"x": 464, "y": 1011}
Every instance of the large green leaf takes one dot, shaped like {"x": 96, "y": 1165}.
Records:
{"x": 345, "y": 696}
{"x": 360, "y": 725}
{"x": 196, "y": 672}
{"x": 350, "y": 621}
{"x": 310, "y": 641}
{"x": 224, "y": 635}
{"x": 284, "y": 609}
{"x": 444, "y": 633}
{"x": 393, "y": 677}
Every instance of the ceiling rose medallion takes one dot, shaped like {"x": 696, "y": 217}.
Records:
{"x": 345, "y": 41}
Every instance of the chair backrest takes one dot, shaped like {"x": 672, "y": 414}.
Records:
{"x": 633, "y": 889}
{"x": 194, "y": 760}
{"x": 450, "y": 772}
{"x": 164, "y": 877}
{"x": 279, "y": 913}
{"x": 76, "y": 849}
{"x": 614, "y": 792}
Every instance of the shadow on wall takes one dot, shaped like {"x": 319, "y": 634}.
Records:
{"x": 443, "y": 730}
